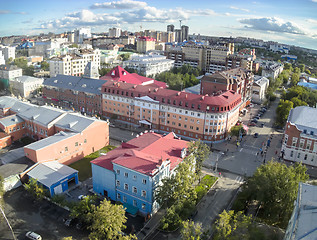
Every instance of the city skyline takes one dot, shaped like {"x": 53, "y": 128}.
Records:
{"x": 291, "y": 22}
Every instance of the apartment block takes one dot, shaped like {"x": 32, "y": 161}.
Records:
{"x": 300, "y": 137}
{"x": 145, "y": 44}
{"x": 25, "y": 85}
{"x": 10, "y": 71}
{"x": 74, "y": 64}
{"x": 190, "y": 116}
{"x": 102, "y": 42}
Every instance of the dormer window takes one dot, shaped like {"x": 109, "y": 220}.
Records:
{"x": 113, "y": 73}
{"x": 305, "y": 131}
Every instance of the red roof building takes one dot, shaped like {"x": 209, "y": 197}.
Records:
{"x": 119, "y": 74}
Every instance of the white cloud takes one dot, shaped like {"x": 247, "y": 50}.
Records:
{"x": 272, "y": 24}
{"x": 121, "y": 4}
{"x": 312, "y": 21}
{"x": 240, "y": 9}
{"x": 144, "y": 14}
{"x": 314, "y": 1}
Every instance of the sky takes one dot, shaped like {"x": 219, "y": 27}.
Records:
{"x": 291, "y": 22}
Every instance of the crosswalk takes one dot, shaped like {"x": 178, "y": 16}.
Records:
{"x": 239, "y": 179}
{"x": 249, "y": 149}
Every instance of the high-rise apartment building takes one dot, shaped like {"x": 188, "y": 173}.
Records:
{"x": 145, "y": 44}
{"x": 184, "y": 30}
{"x": 115, "y": 32}
{"x": 170, "y": 28}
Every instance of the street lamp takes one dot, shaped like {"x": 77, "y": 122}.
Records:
{"x": 216, "y": 167}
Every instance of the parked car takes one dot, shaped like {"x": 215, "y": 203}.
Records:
{"x": 252, "y": 124}
{"x": 70, "y": 222}
{"x": 254, "y": 120}
{"x": 256, "y": 117}
{"x": 33, "y": 236}
{"x": 256, "y": 135}
{"x": 81, "y": 197}
{"x": 80, "y": 225}
{"x": 262, "y": 125}
{"x": 263, "y": 109}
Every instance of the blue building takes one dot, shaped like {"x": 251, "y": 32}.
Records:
{"x": 54, "y": 176}
{"x": 131, "y": 172}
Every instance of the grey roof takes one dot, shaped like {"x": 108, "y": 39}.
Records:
{"x": 81, "y": 84}
{"x": 303, "y": 226}
{"x": 20, "y": 106}
{"x": 50, "y": 172}
{"x": 7, "y": 102}
{"x": 26, "y": 79}
{"x": 194, "y": 89}
{"x": 9, "y": 67}
{"x": 10, "y": 120}
{"x": 41, "y": 114}
{"x": 75, "y": 122}
{"x": 43, "y": 143}
{"x": 304, "y": 117}
{"x": 260, "y": 80}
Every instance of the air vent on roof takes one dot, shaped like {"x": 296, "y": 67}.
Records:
{"x": 156, "y": 89}
{"x": 202, "y": 98}
{"x": 84, "y": 85}
{"x": 134, "y": 86}
{"x": 70, "y": 83}
{"x": 149, "y": 89}
{"x": 179, "y": 93}
{"x": 55, "y": 81}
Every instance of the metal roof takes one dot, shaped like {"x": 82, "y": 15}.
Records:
{"x": 24, "y": 79}
{"x": 303, "y": 222}
{"x": 50, "y": 173}
{"x": 81, "y": 84}
{"x": 75, "y": 122}
{"x": 11, "y": 120}
{"x": 304, "y": 117}
{"x": 7, "y": 102}
{"x": 43, "y": 143}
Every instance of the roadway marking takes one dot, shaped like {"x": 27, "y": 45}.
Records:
{"x": 240, "y": 149}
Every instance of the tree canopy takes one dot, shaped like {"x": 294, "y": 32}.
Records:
{"x": 275, "y": 186}
{"x": 35, "y": 189}
{"x": 235, "y": 226}
{"x": 83, "y": 208}
{"x": 200, "y": 151}
{"x": 191, "y": 230}
{"x": 282, "y": 111}
{"x": 107, "y": 221}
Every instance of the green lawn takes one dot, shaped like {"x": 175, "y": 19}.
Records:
{"x": 83, "y": 166}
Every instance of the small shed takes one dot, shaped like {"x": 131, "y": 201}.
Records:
{"x": 54, "y": 176}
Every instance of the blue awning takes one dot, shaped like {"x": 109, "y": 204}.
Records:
{"x": 130, "y": 209}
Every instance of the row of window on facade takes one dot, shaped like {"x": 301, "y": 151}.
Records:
{"x": 124, "y": 199}
{"x": 134, "y": 189}
{"x": 299, "y": 155}
{"x": 302, "y": 143}
{"x": 127, "y": 175}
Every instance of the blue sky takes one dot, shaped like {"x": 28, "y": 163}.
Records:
{"x": 293, "y": 21}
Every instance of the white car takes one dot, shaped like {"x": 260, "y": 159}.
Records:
{"x": 81, "y": 197}
{"x": 33, "y": 236}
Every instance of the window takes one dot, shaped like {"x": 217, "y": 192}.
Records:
{"x": 124, "y": 198}
{"x": 118, "y": 183}
{"x": 134, "y": 203}
{"x": 144, "y": 181}
{"x": 298, "y": 155}
{"x": 143, "y": 206}
{"x": 134, "y": 177}
{"x": 301, "y": 143}
{"x": 305, "y": 157}
{"x": 291, "y": 154}
{"x": 85, "y": 141}
{"x": 66, "y": 149}
{"x": 308, "y": 145}
{"x": 134, "y": 190}
{"x": 118, "y": 171}
{"x": 294, "y": 142}
{"x": 76, "y": 144}
{"x": 126, "y": 174}
{"x": 143, "y": 193}
{"x": 126, "y": 186}
{"x": 118, "y": 196}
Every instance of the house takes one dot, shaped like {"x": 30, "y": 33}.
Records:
{"x": 131, "y": 172}
{"x": 25, "y": 85}
{"x": 259, "y": 88}
{"x": 10, "y": 71}
{"x": 53, "y": 176}
{"x": 272, "y": 70}
{"x": 300, "y": 137}
{"x": 302, "y": 224}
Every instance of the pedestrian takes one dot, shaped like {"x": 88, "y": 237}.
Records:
{"x": 276, "y": 152}
{"x": 219, "y": 174}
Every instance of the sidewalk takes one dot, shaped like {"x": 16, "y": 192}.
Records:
{"x": 151, "y": 225}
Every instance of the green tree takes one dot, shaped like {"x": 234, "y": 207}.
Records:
{"x": 21, "y": 62}
{"x": 125, "y": 56}
{"x": 74, "y": 45}
{"x": 288, "y": 66}
{"x": 45, "y": 66}
{"x": 67, "y": 238}
{"x": 234, "y": 226}
{"x": 301, "y": 67}
{"x": 191, "y": 230}
{"x": 282, "y": 111}
{"x": 295, "y": 79}
{"x": 297, "y": 102}
{"x": 35, "y": 189}
{"x": 83, "y": 208}
{"x": 237, "y": 130}
{"x": 200, "y": 151}
{"x": 107, "y": 221}
{"x": 28, "y": 71}
{"x": 275, "y": 186}
{"x": 9, "y": 60}
{"x": 104, "y": 71}
{"x": 179, "y": 186}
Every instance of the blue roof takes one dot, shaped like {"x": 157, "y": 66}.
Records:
{"x": 308, "y": 85}
{"x": 81, "y": 84}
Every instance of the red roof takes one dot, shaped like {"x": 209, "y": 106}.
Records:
{"x": 217, "y": 103}
{"x": 147, "y": 39}
{"x": 145, "y": 153}
{"x": 119, "y": 74}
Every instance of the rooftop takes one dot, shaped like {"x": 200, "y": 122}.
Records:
{"x": 24, "y": 79}
{"x": 50, "y": 172}
{"x": 145, "y": 153}
{"x": 304, "y": 117}
{"x": 11, "y": 120}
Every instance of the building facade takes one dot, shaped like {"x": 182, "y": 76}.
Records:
{"x": 238, "y": 80}
{"x": 259, "y": 88}
{"x": 149, "y": 64}
{"x": 145, "y": 44}
{"x": 272, "y": 70}
{"x": 10, "y": 71}
{"x": 8, "y": 52}
{"x": 74, "y": 64}
{"x": 25, "y": 85}
{"x": 191, "y": 116}
{"x": 131, "y": 172}
{"x": 300, "y": 137}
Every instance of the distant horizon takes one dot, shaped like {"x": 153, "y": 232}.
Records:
{"x": 292, "y": 22}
